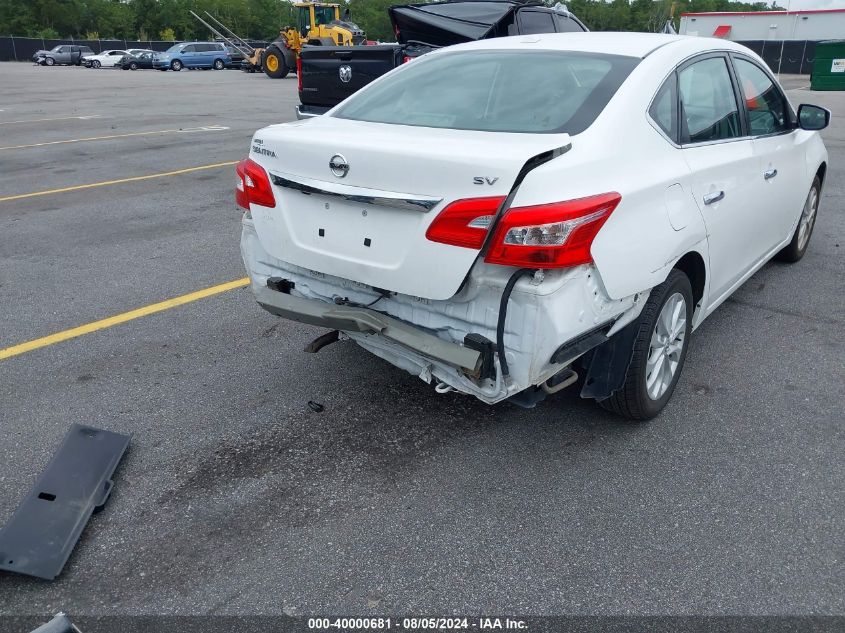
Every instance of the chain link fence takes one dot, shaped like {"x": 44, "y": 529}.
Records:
{"x": 23, "y": 48}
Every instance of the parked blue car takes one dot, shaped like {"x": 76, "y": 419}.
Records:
{"x": 193, "y": 55}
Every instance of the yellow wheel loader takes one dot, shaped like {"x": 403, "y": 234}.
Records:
{"x": 317, "y": 25}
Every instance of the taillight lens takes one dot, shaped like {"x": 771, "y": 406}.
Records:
{"x": 406, "y": 59}
{"x": 464, "y": 222}
{"x": 299, "y": 73}
{"x": 253, "y": 185}
{"x": 553, "y": 235}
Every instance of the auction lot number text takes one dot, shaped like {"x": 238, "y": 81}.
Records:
{"x": 416, "y": 624}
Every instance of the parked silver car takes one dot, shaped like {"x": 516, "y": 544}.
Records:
{"x": 62, "y": 54}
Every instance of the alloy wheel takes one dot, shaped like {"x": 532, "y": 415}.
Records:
{"x": 666, "y": 346}
{"x": 808, "y": 218}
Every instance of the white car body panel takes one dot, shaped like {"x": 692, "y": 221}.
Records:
{"x": 447, "y": 291}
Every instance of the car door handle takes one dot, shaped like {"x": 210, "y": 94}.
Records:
{"x": 710, "y": 198}
{"x": 770, "y": 173}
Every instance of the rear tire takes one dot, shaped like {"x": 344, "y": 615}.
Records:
{"x": 219, "y": 65}
{"x": 659, "y": 352}
{"x": 795, "y": 250}
{"x": 176, "y": 65}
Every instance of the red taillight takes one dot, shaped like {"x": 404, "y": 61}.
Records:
{"x": 253, "y": 185}
{"x": 406, "y": 59}
{"x": 464, "y": 222}
{"x": 553, "y": 235}
{"x": 299, "y": 73}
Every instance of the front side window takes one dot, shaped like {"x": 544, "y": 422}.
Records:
{"x": 567, "y": 25}
{"x": 766, "y": 105}
{"x": 324, "y": 15}
{"x": 495, "y": 91}
{"x": 709, "y": 110}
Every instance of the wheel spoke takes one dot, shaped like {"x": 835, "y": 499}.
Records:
{"x": 654, "y": 356}
{"x": 655, "y": 372}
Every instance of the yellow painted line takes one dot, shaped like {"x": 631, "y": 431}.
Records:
{"x": 106, "y": 183}
{"x": 88, "y": 328}
{"x": 61, "y": 118}
{"x": 207, "y": 128}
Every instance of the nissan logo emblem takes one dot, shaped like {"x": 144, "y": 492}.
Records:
{"x": 339, "y": 166}
{"x": 345, "y": 73}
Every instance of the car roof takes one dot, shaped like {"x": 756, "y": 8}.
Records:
{"x": 618, "y": 43}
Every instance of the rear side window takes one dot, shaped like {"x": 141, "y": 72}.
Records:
{"x": 535, "y": 22}
{"x": 664, "y": 108}
{"x": 495, "y": 91}
{"x": 767, "y": 109}
{"x": 709, "y": 110}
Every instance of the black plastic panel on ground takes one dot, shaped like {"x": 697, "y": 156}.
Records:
{"x": 40, "y": 536}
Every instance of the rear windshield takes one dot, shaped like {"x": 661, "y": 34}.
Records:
{"x": 495, "y": 91}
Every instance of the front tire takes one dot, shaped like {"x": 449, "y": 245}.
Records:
{"x": 96, "y": 64}
{"x": 274, "y": 64}
{"x": 795, "y": 250}
{"x": 176, "y": 65}
{"x": 659, "y": 351}
{"x": 133, "y": 66}
{"x": 49, "y": 61}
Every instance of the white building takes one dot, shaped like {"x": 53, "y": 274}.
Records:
{"x": 741, "y": 26}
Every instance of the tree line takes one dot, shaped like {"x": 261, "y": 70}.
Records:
{"x": 262, "y": 19}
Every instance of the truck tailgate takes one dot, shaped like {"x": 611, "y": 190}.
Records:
{"x": 323, "y": 83}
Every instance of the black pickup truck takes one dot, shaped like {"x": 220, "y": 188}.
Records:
{"x": 329, "y": 74}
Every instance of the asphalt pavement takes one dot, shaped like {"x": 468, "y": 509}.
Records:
{"x": 237, "y": 498}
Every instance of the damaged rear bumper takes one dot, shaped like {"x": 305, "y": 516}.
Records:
{"x": 352, "y": 319}
{"x": 450, "y": 343}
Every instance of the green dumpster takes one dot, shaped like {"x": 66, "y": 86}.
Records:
{"x": 829, "y": 66}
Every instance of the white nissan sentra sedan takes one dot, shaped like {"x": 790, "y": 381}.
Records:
{"x": 503, "y": 218}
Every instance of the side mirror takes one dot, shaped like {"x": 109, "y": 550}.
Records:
{"x": 812, "y": 117}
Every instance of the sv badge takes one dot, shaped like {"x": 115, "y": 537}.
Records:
{"x": 480, "y": 180}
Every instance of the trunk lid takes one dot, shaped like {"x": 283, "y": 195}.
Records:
{"x": 369, "y": 226}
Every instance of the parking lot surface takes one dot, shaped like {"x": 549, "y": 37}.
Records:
{"x": 236, "y": 498}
